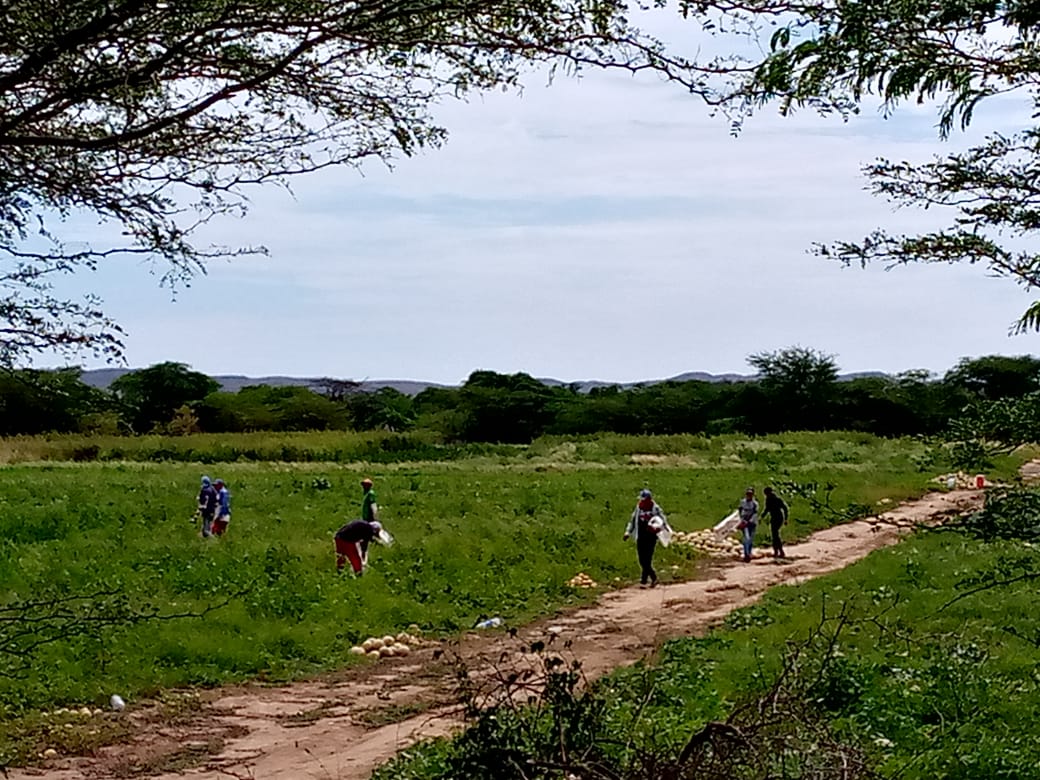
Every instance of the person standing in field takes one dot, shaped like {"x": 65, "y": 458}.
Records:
{"x": 369, "y": 507}
{"x": 207, "y": 506}
{"x": 352, "y": 542}
{"x": 223, "y": 517}
{"x": 646, "y": 520}
{"x": 747, "y": 509}
{"x": 776, "y": 508}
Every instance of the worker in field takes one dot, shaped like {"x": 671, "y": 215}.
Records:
{"x": 223, "y": 516}
{"x": 777, "y": 510}
{"x": 747, "y": 510}
{"x": 207, "y": 506}
{"x": 369, "y": 507}
{"x": 646, "y": 522}
{"x": 352, "y": 542}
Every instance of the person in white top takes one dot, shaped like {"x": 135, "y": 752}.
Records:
{"x": 748, "y": 511}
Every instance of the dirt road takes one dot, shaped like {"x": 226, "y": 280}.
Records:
{"x": 342, "y": 726}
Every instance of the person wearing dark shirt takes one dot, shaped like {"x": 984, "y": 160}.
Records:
{"x": 352, "y": 542}
{"x": 207, "y": 506}
{"x": 777, "y": 511}
{"x": 646, "y": 522}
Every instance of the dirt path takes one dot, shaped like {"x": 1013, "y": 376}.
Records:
{"x": 343, "y": 726}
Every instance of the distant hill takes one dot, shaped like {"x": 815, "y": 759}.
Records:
{"x": 586, "y": 385}
{"x": 232, "y": 383}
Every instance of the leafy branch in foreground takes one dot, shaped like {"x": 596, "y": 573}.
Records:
{"x": 838, "y": 56}
{"x": 985, "y": 429}
{"x": 157, "y": 117}
{"x": 543, "y": 720}
{"x": 818, "y": 497}
{"x": 26, "y": 625}
{"x": 1010, "y": 514}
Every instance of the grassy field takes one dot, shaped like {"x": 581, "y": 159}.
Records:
{"x": 929, "y": 676}
{"x": 494, "y": 533}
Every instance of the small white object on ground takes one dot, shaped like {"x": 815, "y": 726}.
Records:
{"x": 117, "y": 702}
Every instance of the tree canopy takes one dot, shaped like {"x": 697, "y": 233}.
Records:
{"x": 151, "y": 395}
{"x": 799, "y": 384}
{"x": 833, "y": 56}
{"x": 156, "y": 117}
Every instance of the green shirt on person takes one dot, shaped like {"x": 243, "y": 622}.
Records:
{"x": 368, "y": 503}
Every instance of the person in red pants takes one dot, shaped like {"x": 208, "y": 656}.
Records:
{"x": 352, "y": 542}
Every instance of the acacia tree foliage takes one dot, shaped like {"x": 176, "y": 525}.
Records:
{"x": 799, "y": 383}
{"x": 833, "y": 55}
{"x": 159, "y": 116}
{"x": 996, "y": 376}
{"x": 43, "y": 401}
{"x": 152, "y": 395}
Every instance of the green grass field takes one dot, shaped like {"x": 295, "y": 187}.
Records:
{"x": 928, "y": 678}
{"x": 495, "y": 533}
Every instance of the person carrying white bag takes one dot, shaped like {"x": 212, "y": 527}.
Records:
{"x": 748, "y": 511}
{"x": 648, "y": 525}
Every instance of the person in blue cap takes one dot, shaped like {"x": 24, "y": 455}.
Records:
{"x": 647, "y": 519}
{"x": 207, "y": 506}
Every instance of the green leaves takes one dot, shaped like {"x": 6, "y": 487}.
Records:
{"x": 159, "y": 117}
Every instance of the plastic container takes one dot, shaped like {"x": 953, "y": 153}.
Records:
{"x": 980, "y": 481}
{"x": 951, "y": 482}
{"x": 494, "y": 622}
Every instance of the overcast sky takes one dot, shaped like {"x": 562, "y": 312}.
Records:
{"x": 602, "y": 228}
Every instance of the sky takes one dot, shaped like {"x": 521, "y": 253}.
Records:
{"x": 601, "y": 228}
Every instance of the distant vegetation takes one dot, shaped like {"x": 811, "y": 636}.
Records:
{"x": 795, "y": 389}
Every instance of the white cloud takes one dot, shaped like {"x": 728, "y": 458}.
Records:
{"x": 602, "y": 228}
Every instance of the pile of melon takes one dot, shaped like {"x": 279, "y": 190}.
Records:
{"x": 388, "y": 646}
{"x": 708, "y": 542}
{"x": 581, "y": 580}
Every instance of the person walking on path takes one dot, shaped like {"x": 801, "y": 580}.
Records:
{"x": 747, "y": 509}
{"x": 352, "y": 542}
{"x": 207, "y": 506}
{"x": 220, "y": 522}
{"x": 369, "y": 507}
{"x": 646, "y": 521}
{"x": 777, "y": 510}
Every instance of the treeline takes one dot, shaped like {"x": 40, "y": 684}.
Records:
{"x": 795, "y": 389}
